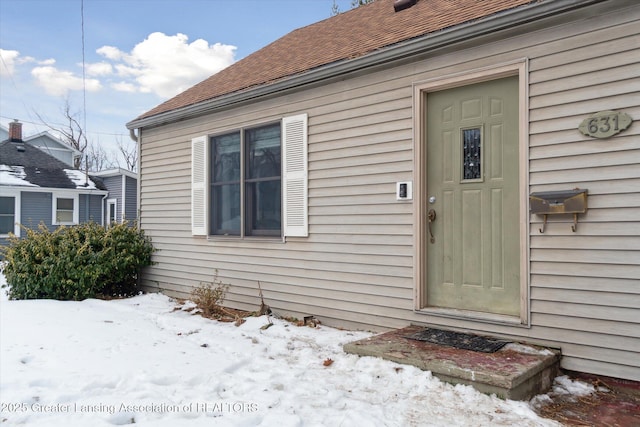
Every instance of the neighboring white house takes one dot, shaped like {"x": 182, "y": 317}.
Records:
{"x": 471, "y": 165}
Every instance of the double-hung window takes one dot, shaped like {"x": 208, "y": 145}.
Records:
{"x": 226, "y": 170}
{"x": 65, "y": 209}
{"x": 246, "y": 197}
{"x": 251, "y": 181}
{"x": 7, "y": 215}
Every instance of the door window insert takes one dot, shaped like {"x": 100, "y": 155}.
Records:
{"x": 471, "y": 139}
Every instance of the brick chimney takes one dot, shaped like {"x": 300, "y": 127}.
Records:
{"x": 15, "y": 131}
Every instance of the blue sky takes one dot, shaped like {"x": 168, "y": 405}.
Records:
{"x": 137, "y": 53}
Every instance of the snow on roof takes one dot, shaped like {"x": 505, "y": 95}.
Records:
{"x": 14, "y": 175}
{"x": 80, "y": 179}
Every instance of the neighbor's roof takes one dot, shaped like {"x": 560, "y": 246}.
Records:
{"x": 31, "y": 167}
{"x": 342, "y": 37}
{"x": 46, "y": 136}
{"x": 108, "y": 173}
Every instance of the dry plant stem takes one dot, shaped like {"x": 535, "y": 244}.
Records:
{"x": 264, "y": 309}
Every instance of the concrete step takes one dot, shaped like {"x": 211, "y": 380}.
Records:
{"x": 516, "y": 371}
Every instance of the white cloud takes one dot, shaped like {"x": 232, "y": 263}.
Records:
{"x": 159, "y": 66}
{"x": 126, "y": 71}
{"x": 168, "y": 65}
{"x": 110, "y": 52}
{"x": 99, "y": 69}
{"x": 59, "y": 82}
{"x": 9, "y": 59}
{"x": 124, "y": 87}
{"x": 12, "y": 58}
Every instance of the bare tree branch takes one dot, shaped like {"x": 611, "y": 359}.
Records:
{"x": 71, "y": 133}
{"x": 93, "y": 155}
{"x": 356, "y": 3}
{"x": 129, "y": 152}
{"x": 97, "y": 158}
{"x": 335, "y": 9}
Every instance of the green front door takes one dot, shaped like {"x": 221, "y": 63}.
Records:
{"x": 473, "y": 241}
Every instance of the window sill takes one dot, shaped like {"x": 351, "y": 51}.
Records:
{"x": 269, "y": 239}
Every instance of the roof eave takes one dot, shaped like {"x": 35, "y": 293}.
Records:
{"x": 409, "y": 48}
{"x": 107, "y": 173}
{"x": 38, "y": 189}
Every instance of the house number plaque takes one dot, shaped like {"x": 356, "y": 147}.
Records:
{"x": 605, "y": 124}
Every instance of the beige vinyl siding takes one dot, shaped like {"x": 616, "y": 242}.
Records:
{"x": 356, "y": 267}
{"x": 585, "y": 287}
{"x": 352, "y": 249}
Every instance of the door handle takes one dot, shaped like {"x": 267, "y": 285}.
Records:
{"x": 431, "y": 215}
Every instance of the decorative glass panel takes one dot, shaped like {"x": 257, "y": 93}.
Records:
{"x": 472, "y": 153}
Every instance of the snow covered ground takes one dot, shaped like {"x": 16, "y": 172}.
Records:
{"x": 104, "y": 363}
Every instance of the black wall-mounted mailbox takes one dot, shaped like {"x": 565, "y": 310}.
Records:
{"x": 559, "y": 202}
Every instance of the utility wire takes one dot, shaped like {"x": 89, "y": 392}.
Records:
{"x": 84, "y": 78}
{"x": 62, "y": 125}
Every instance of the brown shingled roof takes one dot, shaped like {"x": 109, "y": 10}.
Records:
{"x": 345, "y": 36}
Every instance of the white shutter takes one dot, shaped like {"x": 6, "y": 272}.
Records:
{"x": 295, "y": 190}
{"x": 199, "y": 150}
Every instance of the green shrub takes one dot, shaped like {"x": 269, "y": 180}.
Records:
{"x": 76, "y": 262}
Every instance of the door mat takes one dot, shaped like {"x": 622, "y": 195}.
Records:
{"x": 459, "y": 340}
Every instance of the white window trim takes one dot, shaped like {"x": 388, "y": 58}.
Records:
{"x": 519, "y": 67}
{"x": 76, "y": 207}
{"x": 16, "y": 210}
{"x": 113, "y": 202}
{"x": 294, "y": 180}
{"x": 124, "y": 199}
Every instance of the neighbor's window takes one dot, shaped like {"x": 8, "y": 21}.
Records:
{"x": 7, "y": 214}
{"x": 112, "y": 216}
{"x": 246, "y": 197}
{"x": 64, "y": 210}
